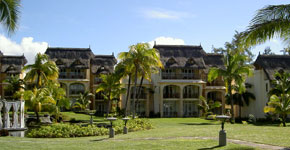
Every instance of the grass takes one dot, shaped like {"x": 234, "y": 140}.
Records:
{"x": 169, "y": 133}
{"x": 81, "y": 117}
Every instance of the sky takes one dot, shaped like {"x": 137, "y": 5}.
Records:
{"x": 111, "y": 26}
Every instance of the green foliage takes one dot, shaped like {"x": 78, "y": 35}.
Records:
{"x": 269, "y": 22}
{"x": 280, "y": 96}
{"x": 41, "y": 71}
{"x": 9, "y": 14}
{"x": 67, "y": 130}
{"x": 14, "y": 85}
{"x": 207, "y": 106}
{"x": 83, "y": 101}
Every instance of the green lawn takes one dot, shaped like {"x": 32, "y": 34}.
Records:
{"x": 169, "y": 133}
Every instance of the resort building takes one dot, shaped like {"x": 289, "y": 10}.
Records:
{"x": 80, "y": 70}
{"x": 260, "y": 83}
{"x": 10, "y": 66}
{"x": 175, "y": 90}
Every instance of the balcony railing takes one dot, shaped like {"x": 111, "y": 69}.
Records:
{"x": 190, "y": 95}
{"x": 215, "y": 83}
{"x": 171, "y": 95}
{"x": 182, "y": 76}
{"x": 142, "y": 96}
{"x": 72, "y": 75}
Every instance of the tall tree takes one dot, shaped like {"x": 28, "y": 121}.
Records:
{"x": 269, "y": 22}
{"x": 41, "y": 71}
{"x": 111, "y": 87}
{"x": 145, "y": 61}
{"x": 280, "y": 96}
{"x": 9, "y": 14}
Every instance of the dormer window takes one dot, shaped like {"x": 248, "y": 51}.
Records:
{"x": 171, "y": 61}
{"x": 190, "y": 61}
{"x": 58, "y": 62}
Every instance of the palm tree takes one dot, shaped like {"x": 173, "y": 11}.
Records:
{"x": 9, "y": 13}
{"x": 242, "y": 99}
{"x": 124, "y": 68}
{"x": 235, "y": 71}
{"x": 280, "y": 96}
{"x": 37, "y": 98}
{"x": 269, "y": 22}
{"x": 83, "y": 101}
{"x": 14, "y": 85}
{"x": 111, "y": 87}
{"x": 41, "y": 71}
{"x": 146, "y": 61}
{"x": 207, "y": 106}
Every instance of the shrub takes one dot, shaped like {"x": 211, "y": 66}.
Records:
{"x": 62, "y": 130}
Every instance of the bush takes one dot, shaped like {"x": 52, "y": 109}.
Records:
{"x": 62, "y": 130}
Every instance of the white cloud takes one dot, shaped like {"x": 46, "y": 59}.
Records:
{"x": 27, "y": 47}
{"x": 165, "y": 14}
{"x": 167, "y": 41}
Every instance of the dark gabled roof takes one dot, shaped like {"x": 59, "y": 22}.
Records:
{"x": 188, "y": 56}
{"x": 69, "y": 56}
{"x": 103, "y": 64}
{"x": 272, "y": 63}
{"x": 12, "y": 64}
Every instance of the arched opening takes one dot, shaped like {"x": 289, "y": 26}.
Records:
{"x": 76, "y": 88}
{"x": 171, "y": 91}
{"x": 191, "y": 91}
{"x": 215, "y": 96}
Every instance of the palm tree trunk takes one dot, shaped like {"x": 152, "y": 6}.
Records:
{"x": 109, "y": 105}
{"x": 231, "y": 99}
{"x": 284, "y": 120}
{"x": 128, "y": 94}
{"x": 37, "y": 116}
{"x": 38, "y": 81}
{"x": 139, "y": 91}
{"x": 135, "y": 88}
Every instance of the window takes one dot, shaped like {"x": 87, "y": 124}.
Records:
{"x": 77, "y": 88}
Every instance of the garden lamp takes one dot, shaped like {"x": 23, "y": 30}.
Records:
{"x": 222, "y": 133}
{"x": 111, "y": 132}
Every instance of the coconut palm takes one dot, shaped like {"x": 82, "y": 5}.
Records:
{"x": 243, "y": 99}
{"x": 9, "y": 13}
{"x": 14, "y": 85}
{"x": 37, "y": 98}
{"x": 83, "y": 101}
{"x": 41, "y": 71}
{"x": 280, "y": 96}
{"x": 146, "y": 61}
{"x": 269, "y": 22}
{"x": 234, "y": 71}
{"x": 110, "y": 86}
{"x": 124, "y": 68}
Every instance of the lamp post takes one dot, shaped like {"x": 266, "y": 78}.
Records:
{"x": 125, "y": 130}
{"x": 222, "y": 133}
{"x": 111, "y": 132}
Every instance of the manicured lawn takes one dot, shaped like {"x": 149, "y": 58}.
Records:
{"x": 169, "y": 133}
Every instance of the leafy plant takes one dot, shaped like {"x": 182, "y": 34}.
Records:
{"x": 83, "y": 100}
{"x": 207, "y": 106}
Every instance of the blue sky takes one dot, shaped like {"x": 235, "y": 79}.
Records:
{"x": 113, "y": 25}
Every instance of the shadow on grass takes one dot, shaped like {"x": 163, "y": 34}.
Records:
{"x": 99, "y": 140}
{"x": 238, "y": 148}
{"x": 199, "y": 123}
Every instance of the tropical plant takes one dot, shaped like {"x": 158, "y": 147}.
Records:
{"x": 207, "y": 106}
{"x": 269, "y": 22}
{"x": 41, "y": 71}
{"x": 235, "y": 71}
{"x": 111, "y": 87}
{"x": 83, "y": 101}
{"x": 9, "y": 14}
{"x": 242, "y": 99}
{"x": 15, "y": 84}
{"x": 36, "y": 98}
{"x": 146, "y": 61}
{"x": 280, "y": 96}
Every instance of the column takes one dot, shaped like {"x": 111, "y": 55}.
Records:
{"x": 223, "y": 103}
{"x": 1, "y": 123}
{"x": 180, "y": 102}
{"x": 15, "y": 106}
{"x": 22, "y": 123}
{"x": 7, "y": 107}
{"x": 147, "y": 104}
{"x": 161, "y": 101}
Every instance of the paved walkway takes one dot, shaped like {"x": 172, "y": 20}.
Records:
{"x": 240, "y": 142}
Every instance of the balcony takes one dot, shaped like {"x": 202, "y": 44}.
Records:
{"x": 180, "y": 76}
{"x": 171, "y": 95}
{"x": 215, "y": 83}
{"x": 142, "y": 96}
{"x": 190, "y": 95}
{"x": 72, "y": 75}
